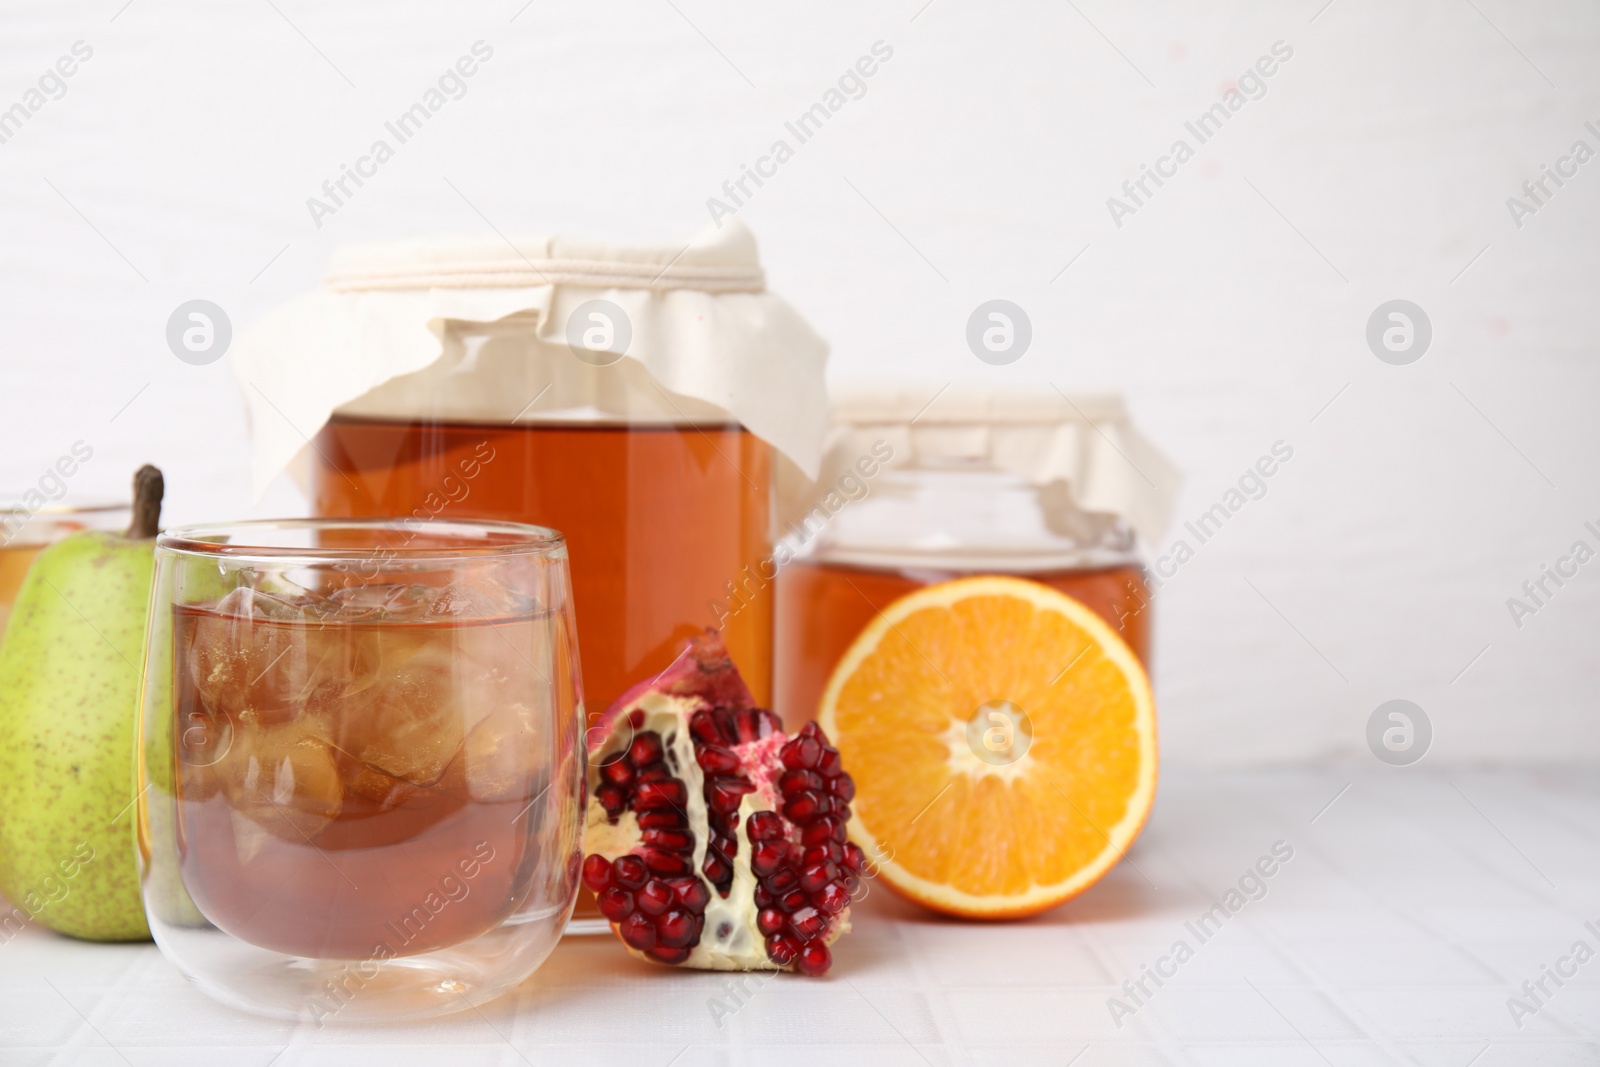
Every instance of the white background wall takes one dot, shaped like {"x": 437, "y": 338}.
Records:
{"x": 1230, "y": 310}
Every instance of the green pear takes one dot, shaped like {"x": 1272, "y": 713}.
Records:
{"x": 69, "y": 707}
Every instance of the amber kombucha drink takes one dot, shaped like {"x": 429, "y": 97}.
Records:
{"x": 660, "y": 520}
{"x": 823, "y": 606}
{"x": 358, "y": 775}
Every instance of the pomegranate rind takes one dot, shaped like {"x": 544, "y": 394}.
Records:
{"x": 876, "y": 839}
{"x": 703, "y": 673}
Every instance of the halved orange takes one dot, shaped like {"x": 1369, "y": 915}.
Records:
{"x": 1002, "y": 741}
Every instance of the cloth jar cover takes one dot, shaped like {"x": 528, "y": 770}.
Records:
{"x": 478, "y": 330}
{"x": 1086, "y": 441}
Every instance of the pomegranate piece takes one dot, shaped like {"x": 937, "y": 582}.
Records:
{"x": 713, "y": 839}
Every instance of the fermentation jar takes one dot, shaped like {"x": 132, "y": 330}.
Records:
{"x": 641, "y": 400}
{"x": 1035, "y": 484}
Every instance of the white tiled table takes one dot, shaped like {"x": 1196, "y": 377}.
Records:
{"x": 1413, "y": 907}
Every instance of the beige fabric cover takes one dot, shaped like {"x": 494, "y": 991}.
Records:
{"x": 475, "y": 330}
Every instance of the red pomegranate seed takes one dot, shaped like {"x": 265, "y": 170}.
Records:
{"x": 596, "y": 872}
{"x": 716, "y": 870}
{"x": 612, "y": 799}
{"x": 763, "y": 898}
{"x": 676, "y": 928}
{"x": 654, "y": 897}
{"x": 819, "y": 832}
{"x": 617, "y": 771}
{"x": 807, "y": 921}
{"x": 818, "y": 854}
{"x": 832, "y": 900}
{"x": 841, "y": 832}
{"x": 801, "y": 754}
{"x": 645, "y": 750}
{"x": 638, "y": 931}
{"x": 656, "y": 772}
{"x": 783, "y": 881}
{"x": 828, "y": 765}
{"x": 798, "y": 782}
{"x": 782, "y": 949}
{"x": 723, "y": 794}
{"x": 629, "y": 872}
{"x": 800, "y": 808}
{"x": 668, "y": 794}
{"x": 754, "y": 724}
{"x": 767, "y": 857}
{"x": 843, "y": 787}
{"x": 663, "y": 819}
{"x": 770, "y": 921}
{"x": 615, "y": 903}
{"x": 814, "y": 959}
{"x": 662, "y": 862}
{"x": 668, "y": 954}
{"x": 672, "y": 840}
{"x": 714, "y": 759}
{"x": 815, "y": 878}
{"x": 704, "y": 728}
{"x": 793, "y": 900}
{"x": 691, "y": 893}
{"x": 764, "y": 826}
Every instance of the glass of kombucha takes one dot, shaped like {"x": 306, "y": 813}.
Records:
{"x": 930, "y": 522}
{"x": 360, "y": 760}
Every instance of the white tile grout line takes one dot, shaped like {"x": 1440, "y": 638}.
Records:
{"x": 1444, "y": 938}
{"x": 1321, "y": 982}
{"x": 1502, "y": 835}
{"x": 950, "y": 1039}
{"x": 1334, "y": 991}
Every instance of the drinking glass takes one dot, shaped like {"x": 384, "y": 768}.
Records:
{"x": 361, "y": 762}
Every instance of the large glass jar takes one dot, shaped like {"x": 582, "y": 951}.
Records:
{"x": 660, "y": 511}
{"x": 641, "y": 400}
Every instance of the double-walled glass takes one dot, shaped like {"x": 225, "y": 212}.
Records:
{"x": 360, "y": 762}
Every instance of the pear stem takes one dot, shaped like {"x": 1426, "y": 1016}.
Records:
{"x": 148, "y": 488}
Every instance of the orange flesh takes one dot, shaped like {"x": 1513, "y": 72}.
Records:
{"x": 954, "y": 831}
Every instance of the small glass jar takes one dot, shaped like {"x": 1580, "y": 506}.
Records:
{"x": 986, "y": 486}
{"x": 28, "y": 528}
